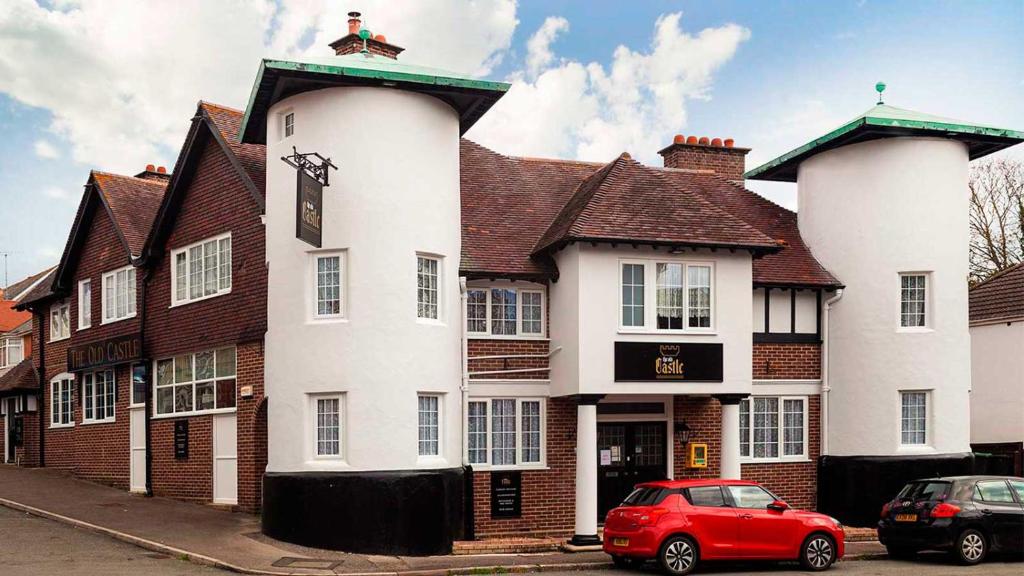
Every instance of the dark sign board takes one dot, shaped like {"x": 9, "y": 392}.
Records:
{"x": 309, "y": 204}
{"x": 506, "y": 494}
{"x": 667, "y": 361}
{"x": 180, "y": 439}
{"x": 116, "y": 350}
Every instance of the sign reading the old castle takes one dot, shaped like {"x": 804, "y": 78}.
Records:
{"x": 116, "y": 350}
{"x": 309, "y": 209}
{"x": 673, "y": 361}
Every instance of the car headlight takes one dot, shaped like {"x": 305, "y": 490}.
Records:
{"x": 839, "y": 525}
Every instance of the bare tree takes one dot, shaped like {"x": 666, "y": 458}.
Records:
{"x": 997, "y": 216}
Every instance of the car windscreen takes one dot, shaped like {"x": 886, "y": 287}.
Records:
{"x": 645, "y": 496}
{"x": 925, "y": 491}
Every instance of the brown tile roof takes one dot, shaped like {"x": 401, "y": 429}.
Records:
{"x": 253, "y": 157}
{"x": 510, "y": 206}
{"x": 999, "y": 297}
{"x": 133, "y": 203}
{"x": 628, "y": 201}
{"x": 21, "y": 378}
{"x": 40, "y": 291}
{"x": 14, "y": 290}
{"x": 11, "y": 318}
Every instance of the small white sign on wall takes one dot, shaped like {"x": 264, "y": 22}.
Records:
{"x": 606, "y": 457}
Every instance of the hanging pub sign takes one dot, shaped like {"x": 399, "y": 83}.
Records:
{"x": 106, "y": 352}
{"x": 667, "y": 361}
{"x": 506, "y": 494}
{"x": 312, "y": 176}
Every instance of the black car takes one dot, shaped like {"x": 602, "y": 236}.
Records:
{"x": 969, "y": 516}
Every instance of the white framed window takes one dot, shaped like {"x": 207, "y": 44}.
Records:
{"x": 914, "y": 418}
{"x": 914, "y": 300}
{"x": 289, "y": 124}
{"x": 328, "y": 285}
{"x": 140, "y": 377}
{"x": 119, "y": 294}
{"x": 62, "y": 412}
{"x": 99, "y": 394}
{"x": 196, "y": 383}
{"x": 201, "y": 270}
{"x": 12, "y": 351}
{"x": 60, "y": 324}
{"x": 505, "y": 312}
{"x": 506, "y": 432}
{"x": 428, "y": 287}
{"x": 682, "y": 291}
{"x": 84, "y": 304}
{"x": 328, "y": 412}
{"x": 429, "y": 425}
{"x": 773, "y": 428}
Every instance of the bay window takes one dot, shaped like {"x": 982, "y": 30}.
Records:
{"x": 119, "y": 294}
{"x": 198, "y": 382}
{"x": 505, "y": 312}
{"x": 683, "y": 295}
{"x": 505, "y": 432}
{"x": 201, "y": 270}
{"x": 99, "y": 392}
{"x": 773, "y": 428}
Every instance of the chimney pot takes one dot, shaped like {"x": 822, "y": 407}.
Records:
{"x": 150, "y": 167}
{"x": 716, "y": 141}
{"x": 380, "y": 38}
{"x": 707, "y": 155}
{"x": 679, "y": 139}
{"x": 729, "y": 142}
{"x": 691, "y": 139}
{"x": 703, "y": 141}
{"x": 161, "y": 170}
{"x": 354, "y": 22}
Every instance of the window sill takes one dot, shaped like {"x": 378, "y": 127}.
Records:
{"x": 430, "y": 321}
{"x": 326, "y": 320}
{"x": 915, "y": 449}
{"x": 80, "y": 328}
{"x": 176, "y": 304}
{"x": 116, "y": 320}
{"x": 690, "y": 332}
{"x": 789, "y": 460}
{"x": 194, "y": 413}
{"x": 518, "y": 467}
{"x": 475, "y": 336}
{"x": 60, "y": 426}
{"x": 328, "y": 463}
{"x": 104, "y": 421}
{"x": 431, "y": 461}
{"x": 58, "y": 339}
{"x": 915, "y": 330}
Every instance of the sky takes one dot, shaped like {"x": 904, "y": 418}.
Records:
{"x": 111, "y": 84}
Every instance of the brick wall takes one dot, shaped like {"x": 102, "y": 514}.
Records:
{"x": 794, "y": 482}
{"x": 727, "y": 162}
{"x": 704, "y": 417}
{"x": 498, "y": 347}
{"x": 549, "y": 496}
{"x": 787, "y": 361}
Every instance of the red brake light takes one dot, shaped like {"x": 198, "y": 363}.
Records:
{"x": 945, "y": 510}
{"x": 886, "y": 508}
{"x": 651, "y": 517}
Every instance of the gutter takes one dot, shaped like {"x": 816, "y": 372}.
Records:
{"x": 825, "y": 389}
{"x": 146, "y": 277}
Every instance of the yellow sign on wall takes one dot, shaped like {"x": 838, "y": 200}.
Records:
{"x": 698, "y": 456}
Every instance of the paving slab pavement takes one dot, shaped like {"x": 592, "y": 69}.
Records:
{"x": 215, "y": 537}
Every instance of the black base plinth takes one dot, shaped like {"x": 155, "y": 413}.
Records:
{"x": 854, "y": 488}
{"x": 414, "y": 513}
{"x": 585, "y": 540}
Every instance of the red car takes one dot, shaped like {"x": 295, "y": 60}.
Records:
{"x": 682, "y": 522}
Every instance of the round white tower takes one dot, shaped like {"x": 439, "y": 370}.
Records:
{"x": 364, "y": 332}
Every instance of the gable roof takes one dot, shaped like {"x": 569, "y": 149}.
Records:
{"x": 217, "y": 124}
{"x": 20, "y": 288}
{"x": 629, "y": 202}
{"x": 999, "y": 298}
{"x": 21, "y": 378}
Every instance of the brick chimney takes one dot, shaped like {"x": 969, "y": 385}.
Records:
{"x": 352, "y": 43}
{"x": 158, "y": 173}
{"x": 715, "y": 155}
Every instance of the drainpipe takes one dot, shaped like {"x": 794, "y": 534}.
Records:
{"x": 463, "y": 299}
{"x": 42, "y": 390}
{"x": 146, "y": 277}
{"x": 825, "y": 389}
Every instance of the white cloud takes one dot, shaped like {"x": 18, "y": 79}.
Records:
{"x": 58, "y": 193}
{"x": 592, "y": 112}
{"x": 46, "y": 150}
{"x": 538, "y": 47}
{"x": 121, "y": 77}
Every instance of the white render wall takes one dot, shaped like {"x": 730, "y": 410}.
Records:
{"x": 396, "y": 193}
{"x": 586, "y": 315}
{"x": 997, "y": 383}
{"x": 870, "y": 211}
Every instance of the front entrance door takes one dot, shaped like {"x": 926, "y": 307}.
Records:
{"x": 225, "y": 459}
{"x": 628, "y": 453}
{"x": 10, "y": 405}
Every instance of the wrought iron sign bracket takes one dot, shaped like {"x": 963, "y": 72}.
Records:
{"x": 317, "y": 169}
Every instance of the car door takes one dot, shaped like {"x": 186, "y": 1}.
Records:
{"x": 713, "y": 522}
{"x": 1004, "y": 515}
{"x": 763, "y": 533}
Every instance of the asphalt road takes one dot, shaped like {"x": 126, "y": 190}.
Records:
{"x": 32, "y": 546}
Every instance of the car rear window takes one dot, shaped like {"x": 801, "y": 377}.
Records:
{"x": 646, "y": 496}
{"x": 924, "y": 491}
{"x": 705, "y": 496}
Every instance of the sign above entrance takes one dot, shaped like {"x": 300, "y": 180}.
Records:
{"x": 667, "y": 361}
{"x": 116, "y": 350}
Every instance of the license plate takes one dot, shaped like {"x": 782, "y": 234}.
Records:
{"x": 906, "y": 517}
{"x": 620, "y": 541}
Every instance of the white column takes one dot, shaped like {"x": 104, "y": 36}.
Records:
{"x": 730, "y": 464}
{"x": 586, "y": 472}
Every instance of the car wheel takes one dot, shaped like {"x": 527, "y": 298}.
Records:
{"x": 971, "y": 547}
{"x": 678, "y": 555}
{"x": 900, "y": 552}
{"x": 818, "y": 552}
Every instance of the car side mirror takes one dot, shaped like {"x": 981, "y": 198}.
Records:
{"x": 778, "y": 506}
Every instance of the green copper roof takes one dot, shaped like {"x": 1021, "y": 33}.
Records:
{"x": 279, "y": 79}
{"x": 884, "y": 121}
